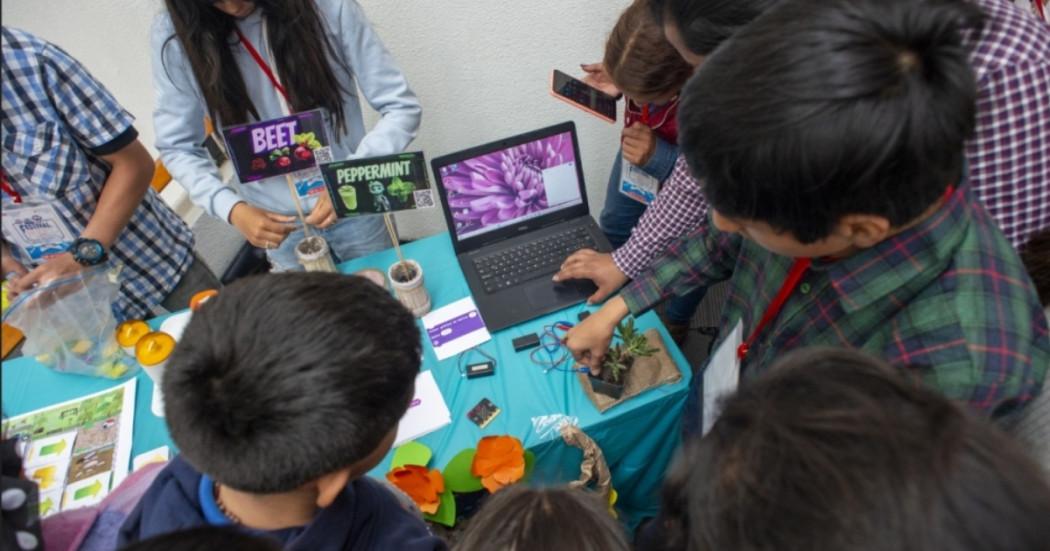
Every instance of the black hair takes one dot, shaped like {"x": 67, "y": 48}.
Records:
{"x": 206, "y": 537}
{"x": 302, "y": 50}
{"x": 519, "y": 517}
{"x": 705, "y": 24}
{"x": 283, "y": 378}
{"x": 832, "y": 449}
{"x": 825, "y": 108}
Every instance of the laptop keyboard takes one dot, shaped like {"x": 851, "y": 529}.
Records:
{"x": 530, "y": 260}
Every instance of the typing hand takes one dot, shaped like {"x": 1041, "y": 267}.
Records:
{"x": 595, "y": 266}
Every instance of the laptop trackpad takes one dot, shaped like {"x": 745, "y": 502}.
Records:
{"x": 548, "y": 293}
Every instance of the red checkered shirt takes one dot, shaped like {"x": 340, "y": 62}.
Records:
{"x": 1008, "y": 159}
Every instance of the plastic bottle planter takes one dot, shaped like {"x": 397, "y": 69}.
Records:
{"x": 314, "y": 255}
{"x": 407, "y": 282}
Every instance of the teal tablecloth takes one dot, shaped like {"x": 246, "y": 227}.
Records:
{"x": 638, "y": 437}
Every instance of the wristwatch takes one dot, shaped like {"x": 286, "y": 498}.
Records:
{"x": 88, "y": 252}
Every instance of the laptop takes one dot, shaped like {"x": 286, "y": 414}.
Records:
{"x": 516, "y": 208}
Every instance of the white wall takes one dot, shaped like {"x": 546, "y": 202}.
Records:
{"x": 481, "y": 69}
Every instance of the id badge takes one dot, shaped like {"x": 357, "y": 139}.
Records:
{"x": 638, "y": 184}
{"x": 308, "y": 183}
{"x": 37, "y": 228}
{"x": 721, "y": 376}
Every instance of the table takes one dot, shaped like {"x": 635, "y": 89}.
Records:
{"x": 638, "y": 437}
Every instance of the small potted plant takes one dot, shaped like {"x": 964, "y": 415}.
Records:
{"x": 620, "y": 358}
{"x": 406, "y": 277}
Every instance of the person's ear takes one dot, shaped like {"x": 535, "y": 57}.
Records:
{"x": 864, "y": 230}
{"x": 330, "y": 485}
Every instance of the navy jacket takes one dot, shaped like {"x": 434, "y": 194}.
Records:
{"x": 365, "y": 516}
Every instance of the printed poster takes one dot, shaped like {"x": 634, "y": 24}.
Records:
{"x": 379, "y": 184}
{"x": 79, "y": 450}
{"x": 278, "y": 146}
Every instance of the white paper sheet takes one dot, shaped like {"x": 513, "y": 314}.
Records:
{"x": 721, "y": 376}
{"x": 426, "y": 413}
{"x": 455, "y": 328}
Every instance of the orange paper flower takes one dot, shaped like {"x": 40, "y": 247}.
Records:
{"x": 499, "y": 462}
{"x": 421, "y": 484}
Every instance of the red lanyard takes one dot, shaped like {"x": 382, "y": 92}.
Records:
{"x": 262, "y": 64}
{"x": 645, "y": 114}
{"x": 8, "y": 188}
{"x": 798, "y": 269}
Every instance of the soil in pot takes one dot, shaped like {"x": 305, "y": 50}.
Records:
{"x": 404, "y": 273}
{"x": 310, "y": 246}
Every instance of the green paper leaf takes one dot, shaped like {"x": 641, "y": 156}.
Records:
{"x": 446, "y": 513}
{"x": 530, "y": 462}
{"x": 411, "y": 453}
{"x": 458, "y": 477}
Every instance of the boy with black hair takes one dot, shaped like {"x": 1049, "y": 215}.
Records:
{"x": 829, "y": 134}
{"x": 1009, "y": 51}
{"x": 834, "y": 450}
{"x": 276, "y": 434}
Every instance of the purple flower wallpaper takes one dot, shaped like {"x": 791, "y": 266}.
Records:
{"x": 504, "y": 185}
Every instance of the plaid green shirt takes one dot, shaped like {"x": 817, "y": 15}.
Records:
{"x": 947, "y": 299}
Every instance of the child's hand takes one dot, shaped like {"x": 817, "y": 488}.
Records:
{"x": 595, "y": 266}
{"x": 589, "y": 340}
{"x": 323, "y": 214}
{"x": 639, "y": 143}
{"x": 261, "y": 228}
{"x": 598, "y": 78}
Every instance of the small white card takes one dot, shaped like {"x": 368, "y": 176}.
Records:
{"x": 638, "y": 184}
{"x": 156, "y": 455}
{"x": 455, "y": 328}
{"x": 426, "y": 413}
{"x": 722, "y": 375}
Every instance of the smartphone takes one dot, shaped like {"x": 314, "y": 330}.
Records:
{"x": 580, "y": 94}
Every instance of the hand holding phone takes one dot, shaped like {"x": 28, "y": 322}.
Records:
{"x": 598, "y": 78}
{"x": 579, "y": 94}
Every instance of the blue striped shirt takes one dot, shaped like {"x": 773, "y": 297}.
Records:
{"x": 57, "y": 123}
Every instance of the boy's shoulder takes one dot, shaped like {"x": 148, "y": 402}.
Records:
{"x": 171, "y": 503}
{"x": 369, "y": 515}
{"x": 976, "y": 330}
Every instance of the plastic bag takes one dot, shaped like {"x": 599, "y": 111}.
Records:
{"x": 70, "y": 327}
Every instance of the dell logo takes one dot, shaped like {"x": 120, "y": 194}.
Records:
{"x": 522, "y": 228}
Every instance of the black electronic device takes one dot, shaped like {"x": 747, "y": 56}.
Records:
{"x": 481, "y": 369}
{"x": 483, "y": 413}
{"x": 526, "y": 342}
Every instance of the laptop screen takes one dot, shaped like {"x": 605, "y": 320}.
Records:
{"x": 506, "y": 187}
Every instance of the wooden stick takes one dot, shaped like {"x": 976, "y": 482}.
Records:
{"x": 393, "y": 237}
{"x": 298, "y": 205}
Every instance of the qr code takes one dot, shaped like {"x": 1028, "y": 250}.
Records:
{"x": 323, "y": 154}
{"x": 424, "y": 198}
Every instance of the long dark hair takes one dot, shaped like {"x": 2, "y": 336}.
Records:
{"x": 294, "y": 28}
{"x": 639, "y": 59}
